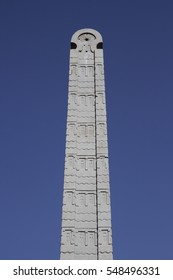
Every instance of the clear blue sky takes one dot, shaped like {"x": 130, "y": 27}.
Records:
{"x": 34, "y": 56}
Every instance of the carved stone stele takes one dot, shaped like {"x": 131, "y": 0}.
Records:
{"x": 86, "y": 214}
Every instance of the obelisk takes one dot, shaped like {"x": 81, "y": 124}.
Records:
{"x": 86, "y": 213}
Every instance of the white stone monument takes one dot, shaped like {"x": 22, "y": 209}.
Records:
{"x": 86, "y": 213}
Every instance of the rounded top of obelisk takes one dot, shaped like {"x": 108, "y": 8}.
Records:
{"x": 86, "y": 35}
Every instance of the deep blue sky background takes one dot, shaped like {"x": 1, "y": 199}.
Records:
{"x": 34, "y": 56}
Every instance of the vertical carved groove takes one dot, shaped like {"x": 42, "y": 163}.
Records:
{"x": 95, "y": 93}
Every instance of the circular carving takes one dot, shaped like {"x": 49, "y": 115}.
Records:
{"x": 86, "y": 37}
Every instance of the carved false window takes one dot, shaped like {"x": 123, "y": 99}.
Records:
{"x": 82, "y": 71}
{"x": 82, "y": 238}
{"x": 82, "y": 163}
{"x": 100, "y": 98}
{"x": 82, "y": 199}
{"x": 90, "y": 71}
{"x": 99, "y": 68}
{"x": 103, "y": 163}
{"x": 101, "y": 128}
{"x": 105, "y": 237}
{"x": 103, "y": 197}
{"x": 90, "y": 100}
{"x": 90, "y": 164}
{"x": 91, "y": 238}
{"x": 72, "y": 98}
{"x": 68, "y": 237}
{"x": 82, "y": 99}
{"x": 71, "y": 129}
{"x": 73, "y": 69}
{"x": 90, "y": 131}
{"x": 82, "y": 130}
{"x": 71, "y": 162}
{"x": 91, "y": 199}
{"x": 69, "y": 197}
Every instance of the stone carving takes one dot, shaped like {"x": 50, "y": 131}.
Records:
{"x": 90, "y": 131}
{"x": 90, "y": 71}
{"x": 85, "y": 101}
{"x": 81, "y": 240}
{"x": 82, "y": 71}
{"x": 99, "y": 69}
{"x": 100, "y": 99}
{"x": 72, "y": 98}
{"x": 82, "y": 130}
{"x": 82, "y": 199}
{"x": 82, "y": 100}
{"x": 86, "y": 130}
{"x": 86, "y": 164}
{"x": 69, "y": 197}
{"x": 103, "y": 196}
{"x": 86, "y": 37}
{"x": 68, "y": 237}
{"x": 91, "y": 199}
{"x": 91, "y": 164}
{"x": 90, "y": 99}
{"x": 102, "y": 163}
{"x": 91, "y": 238}
{"x": 71, "y": 162}
{"x": 86, "y": 71}
{"x": 101, "y": 129}
{"x": 71, "y": 129}
{"x": 86, "y": 217}
{"x": 73, "y": 70}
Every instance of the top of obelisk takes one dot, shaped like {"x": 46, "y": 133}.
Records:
{"x": 87, "y": 35}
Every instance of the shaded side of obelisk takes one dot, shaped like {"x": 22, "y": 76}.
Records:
{"x": 86, "y": 213}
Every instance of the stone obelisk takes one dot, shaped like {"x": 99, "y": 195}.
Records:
{"x": 86, "y": 213}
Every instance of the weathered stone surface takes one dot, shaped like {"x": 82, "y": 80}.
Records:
{"x": 86, "y": 216}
